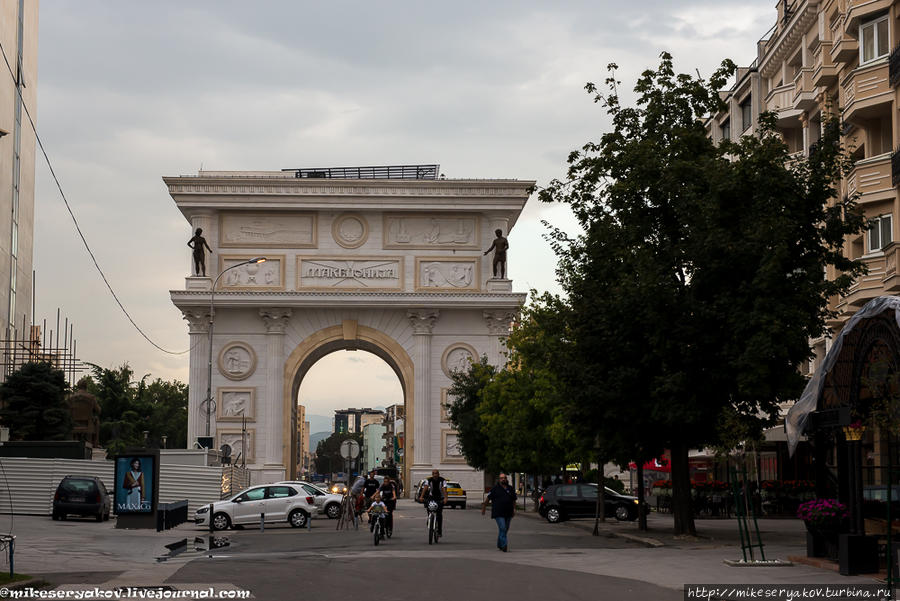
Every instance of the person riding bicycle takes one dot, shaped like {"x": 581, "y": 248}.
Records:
{"x": 389, "y": 494}
{"x": 435, "y": 489}
{"x": 370, "y": 487}
{"x": 356, "y": 493}
{"x": 377, "y": 509}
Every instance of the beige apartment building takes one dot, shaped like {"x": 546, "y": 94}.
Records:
{"x": 19, "y": 37}
{"x": 303, "y": 453}
{"x": 834, "y": 55}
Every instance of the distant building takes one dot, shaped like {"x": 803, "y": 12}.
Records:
{"x": 373, "y": 446}
{"x": 354, "y": 420}
{"x": 302, "y": 440}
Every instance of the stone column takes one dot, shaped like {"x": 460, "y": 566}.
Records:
{"x": 422, "y": 322}
{"x": 275, "y": 463}
{"x": 198, "y": 329}
{"x": 498, "y": 322}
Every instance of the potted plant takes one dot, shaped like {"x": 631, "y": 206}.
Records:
{"x": 823, "y": 519}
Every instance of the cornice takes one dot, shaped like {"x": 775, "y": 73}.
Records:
{"x": 787, "y": 38}
{"x": 410, "y": 300}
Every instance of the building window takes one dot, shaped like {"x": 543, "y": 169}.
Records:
{"x": 873, "y": 39}
{"x": 880, "y": 233}
{"x": 746, "y": 116}
{"x": 726, "y": 129}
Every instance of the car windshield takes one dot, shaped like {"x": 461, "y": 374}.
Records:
{"x": 607, "y": 490}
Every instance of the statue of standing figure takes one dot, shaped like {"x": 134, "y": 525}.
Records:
{"x": 500, "y": 245}
{"x": 198, "y": 243}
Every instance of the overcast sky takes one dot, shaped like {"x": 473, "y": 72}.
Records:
{"x": 131, "y": 91}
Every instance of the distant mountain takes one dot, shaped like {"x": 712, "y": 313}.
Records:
{"x": 315, "y": 438}
{"x": 319, "y": 423}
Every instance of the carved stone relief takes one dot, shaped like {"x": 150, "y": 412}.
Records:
{"x": 350, "y": 230}
{"x": 268, "y": 275}
{"x": 375, "y": 273}
{"x": 270, "y": 230}
{"x": 236, "y": 439}
{"x": 446, "y": 274}
{"x": 237, "y": 361}
{"x": 450, "y": 451}
{"x": 426, "y": 232}
{"x": 458, "y": 357}
{"x": 235, "y": 404}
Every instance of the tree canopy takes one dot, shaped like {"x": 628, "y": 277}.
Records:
{"x": 34, "y": 405}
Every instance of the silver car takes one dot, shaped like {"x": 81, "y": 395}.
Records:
{"x": 326, "y": 503}
{"x": 272, "y": 502}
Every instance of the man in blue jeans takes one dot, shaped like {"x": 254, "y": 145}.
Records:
{"x": 503, "y": 507}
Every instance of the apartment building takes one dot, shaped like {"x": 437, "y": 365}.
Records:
{"x": 823, "y": 56}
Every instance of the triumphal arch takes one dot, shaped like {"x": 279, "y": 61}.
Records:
{"x": 389, "y": 260}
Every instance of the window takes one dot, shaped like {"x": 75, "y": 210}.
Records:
{"x": 746, "y": 117}
{"x": 873, "y": 39}
{"x": 881, "y": 233}
{"x": 277, "y": 492}
{"x": 726, "y": 129}
{"x": 254, "y": 494}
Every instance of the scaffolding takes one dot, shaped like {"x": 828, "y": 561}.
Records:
{"x": 57, "y": 347}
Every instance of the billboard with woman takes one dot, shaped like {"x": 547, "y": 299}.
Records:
{"x": 134, "y": 484}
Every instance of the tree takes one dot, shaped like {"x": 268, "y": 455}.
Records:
{"x": 464, "y": 397}
{"x": 34, "y": 403}
{"x": 699, "y": 275}
{"x": 328, "y": 451}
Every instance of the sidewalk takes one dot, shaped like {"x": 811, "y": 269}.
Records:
{"x": 672, "y": 561}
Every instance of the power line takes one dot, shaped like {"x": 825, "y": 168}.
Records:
{"x": 75, "y": 221}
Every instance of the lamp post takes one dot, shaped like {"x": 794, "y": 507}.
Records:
{"x": 212, "y": 296}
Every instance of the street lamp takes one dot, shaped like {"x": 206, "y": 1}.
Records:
{"x": 212, "y": 296}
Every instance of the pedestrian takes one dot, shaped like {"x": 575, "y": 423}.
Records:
{"x": 503, "y": 508}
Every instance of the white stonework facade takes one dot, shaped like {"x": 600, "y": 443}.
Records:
{"x": 393, "y": 267}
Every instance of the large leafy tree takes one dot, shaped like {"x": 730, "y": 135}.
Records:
{"x": 34, "y": 405}
{"x": 699, "y": 275}
{"x": 328, "y": 451}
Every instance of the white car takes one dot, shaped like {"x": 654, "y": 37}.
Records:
{"x": 279, "y": 502}
{"x": 326, "y": 502}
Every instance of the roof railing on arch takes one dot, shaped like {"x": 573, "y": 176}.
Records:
{"x": 430, "y": 171}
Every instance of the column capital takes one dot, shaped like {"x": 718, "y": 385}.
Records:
{"x": 499, "y": 321}
{"x": 422, "y": 320}
{"x": 275, "y": 319}
{"x": 198, "y": 320}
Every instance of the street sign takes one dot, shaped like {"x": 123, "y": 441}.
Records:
{"x": 349, "y": 449}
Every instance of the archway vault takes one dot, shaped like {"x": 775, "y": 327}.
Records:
{"x": 349, "y": 335}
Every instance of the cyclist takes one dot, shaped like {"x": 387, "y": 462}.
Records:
{"x": 376, "y": 509}
{"x": 435, "y": 489}
{"x": 389, "y": 494}
{"x": 357, "y": 496}
{"x": 370, "y": 487}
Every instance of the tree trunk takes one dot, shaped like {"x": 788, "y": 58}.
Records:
{"x": 682, "y": 507}
{"x": 599, "y": 513}
{"x": 642, "y": 515}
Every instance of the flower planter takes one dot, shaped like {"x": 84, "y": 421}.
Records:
{"x": 822, "y": 542}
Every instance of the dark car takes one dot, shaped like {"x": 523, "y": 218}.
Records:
{"x": 81, "y": 495}
{"x": 565, "y": 501}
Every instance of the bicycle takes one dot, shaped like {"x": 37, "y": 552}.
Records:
{"x": 431, "y": 521}
{"x": 378, "y": 528}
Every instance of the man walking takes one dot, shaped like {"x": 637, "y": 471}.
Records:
{"x": 503, "y": 507}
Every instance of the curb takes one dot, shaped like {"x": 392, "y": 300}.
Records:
{"x": 644, "y": 540}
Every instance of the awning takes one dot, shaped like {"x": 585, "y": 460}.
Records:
{"x": 797, "y": 418}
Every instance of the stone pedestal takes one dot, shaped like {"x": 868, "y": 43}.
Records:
{"x": 499, "y": 285}
{"x": 198, "y": 282}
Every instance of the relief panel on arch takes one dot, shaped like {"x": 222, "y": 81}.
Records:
{"x": 270, "y": 230}
{"x": 423, "y": 232}
{"x": 268, "y": 275}
{"x": 446, "y": 274}
{"x": 359, "y": 273}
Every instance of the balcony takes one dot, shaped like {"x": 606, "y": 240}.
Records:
{"x": 871, "y": 178}
{"x": 825, "y": 72}
{"x": 865, "y": 88}
{"x": 894, "y": 67}
{"x": 804, "y": 90}
{"x": 781, "y": 102}
{"x": 869, "y": 286}
{"x": 860, "y": 11}
{"x": 843, "y": 46}
{"x": 891, "y": 279}
{"x": 895, "y": 167}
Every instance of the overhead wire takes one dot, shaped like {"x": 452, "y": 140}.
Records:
{"x": 75, "y": 221}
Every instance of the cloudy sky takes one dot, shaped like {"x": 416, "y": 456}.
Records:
{"x": 131, "y": 91}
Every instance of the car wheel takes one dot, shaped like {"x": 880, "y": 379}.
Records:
{"x": 221, "y": 521}
{"x": 333, "y": 511}
{"x": 463, "y": 506}
{"x": 622, "y": 513}
{"x": 106, "y": 516}
{"x": 99, "y": 516}
{"x": 298, "y": 518}
{"x": 553, "y": 515}
{"x": 55, "y": 516}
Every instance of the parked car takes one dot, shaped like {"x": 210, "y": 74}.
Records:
{"x": 279, "y": 502}
{"x": 456, "y": 495}
{"x": 565, "y": 501}
{"x": 81, "y": 495}
{"x": 326, "y": 503}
